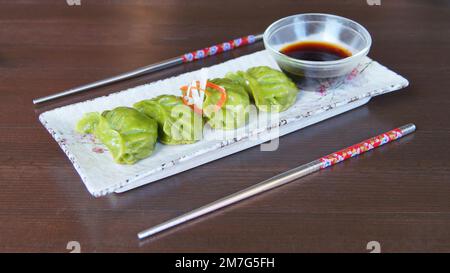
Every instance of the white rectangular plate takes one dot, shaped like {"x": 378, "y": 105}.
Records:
{"x": 102, "y": 176}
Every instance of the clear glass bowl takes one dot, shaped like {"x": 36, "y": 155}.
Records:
{"x": 320, "y": 27}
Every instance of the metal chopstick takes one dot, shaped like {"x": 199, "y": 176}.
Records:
{"x": 185, "y": 58}
{"x": 285, "y": 178}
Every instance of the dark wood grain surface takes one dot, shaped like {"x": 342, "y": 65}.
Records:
{"x": 397, "y": 195}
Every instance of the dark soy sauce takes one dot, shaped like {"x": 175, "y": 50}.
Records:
{"x": 315, "y": 51}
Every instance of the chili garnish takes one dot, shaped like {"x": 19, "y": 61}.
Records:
{"x": 197, "y": 87}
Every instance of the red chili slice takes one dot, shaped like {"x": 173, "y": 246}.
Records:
{"x": 223, "y": 93}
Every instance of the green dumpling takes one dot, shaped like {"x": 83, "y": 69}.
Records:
{"x": 128, "y": 134}
{"x": 234, "y": 112}
{"x": 270, "y": 89}
{"x": 240, "y": 78}
{"x": 177, "y": 122}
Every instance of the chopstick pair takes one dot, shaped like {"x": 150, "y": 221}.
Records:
{"x": 266, "y": 185}
{"x": 285, "y": 178}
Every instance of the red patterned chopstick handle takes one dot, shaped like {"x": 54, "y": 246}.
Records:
{"x": 219, "y": 48}
{"x": 361, "y": 147}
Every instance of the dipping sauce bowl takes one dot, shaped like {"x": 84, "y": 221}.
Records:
{"x": 317, "y": 28}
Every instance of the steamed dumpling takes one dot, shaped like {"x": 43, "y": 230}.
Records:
{"x": 128, "y": 134}
{"x": 177, "y": 122}
{"x": 234, "y": 112}
{"x": 270, "y": 89}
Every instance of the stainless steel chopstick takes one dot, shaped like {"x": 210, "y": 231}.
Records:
{"x": 127, "y": 75}
{"x": 185, "y": 58}
{"x": 285, "y": 178}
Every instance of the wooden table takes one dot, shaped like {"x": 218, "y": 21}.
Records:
{"x": 397, "y": 195}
